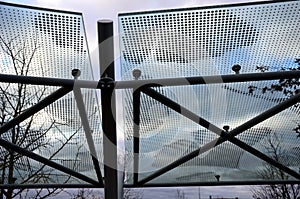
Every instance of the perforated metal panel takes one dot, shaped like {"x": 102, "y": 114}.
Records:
{"x": 209, "y": 41}
{"x": 47, "y": 43}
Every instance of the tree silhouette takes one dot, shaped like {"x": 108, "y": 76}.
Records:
{"x": 275, "y": 150}
{"x": 180, "y": 194}
{"x": 86, "y": 194}
{"x": 288, "y": 87}
{"x": 30, "y": 134}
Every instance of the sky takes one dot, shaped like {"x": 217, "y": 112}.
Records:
{"x": 190, "y": 192}
{"x": 94, "y": 10}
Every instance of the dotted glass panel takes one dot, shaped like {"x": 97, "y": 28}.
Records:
{"x": 209, "y": 41}
{"x": 49, "y": 43}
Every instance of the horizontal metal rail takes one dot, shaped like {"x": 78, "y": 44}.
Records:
{"x": 215, "y": 79}
{"x": 45, "y": 186}
{"x": 220, "y": 183}
{"x": 181, "y": 81}
{"x": 153, "y": 185}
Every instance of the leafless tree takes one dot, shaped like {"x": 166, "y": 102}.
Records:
{"x": 30, "y": 134}
{"x": 180, "y": 194}
{"x": 281, "y": 191}
{"x": 124, "y": 159}
{"x": 132, "y": 194}
{"x": 86, "y": 194}
{"x": 90, "y": 194}
{"x": 288, "y": 87}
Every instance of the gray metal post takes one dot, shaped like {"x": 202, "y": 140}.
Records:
{"x": 136, "y": 134}
{"x": 108, "y": 105}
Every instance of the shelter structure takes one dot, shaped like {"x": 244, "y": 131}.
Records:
{"x": 207, "y": 93}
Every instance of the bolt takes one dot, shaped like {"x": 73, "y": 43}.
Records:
{"x": 236, "y": 68}
{"x": 76, "y": 73}
{"x": 136, "y": 73}
{"x": 226, "y": 128}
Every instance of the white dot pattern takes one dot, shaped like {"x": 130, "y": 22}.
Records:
{"x": 58, "y": 42}
{"x": 209, "y": 41}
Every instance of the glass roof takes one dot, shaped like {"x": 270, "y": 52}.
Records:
{"x": 204, "y": 41}
{"x": 46, "y": 43}
{"x": 262, "y": 37}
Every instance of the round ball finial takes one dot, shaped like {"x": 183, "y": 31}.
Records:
{"x": 136, "y": 73}
{"x": 236, "y": 68}
{"x": 76, "y": 73}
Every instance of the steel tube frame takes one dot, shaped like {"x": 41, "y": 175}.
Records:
{"x": 159, "y": 82}
{"x": 197, "y": 119}
{"x": 108, "y": 103}
{"x": 136, "y": 136}
{"x": 215, "y": 79}
{"x": 224, "y": 136}
{"x": 26, "y": 114}
{"x": 88, "y": 133}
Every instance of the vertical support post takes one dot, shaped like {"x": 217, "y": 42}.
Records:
{"x": 136, "y": 126}
{"x": 106, "y": 48}
{"x": 108, "y": 105}
{"x": 136, "y": 134}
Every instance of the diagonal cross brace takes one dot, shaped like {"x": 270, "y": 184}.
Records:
{"x": 224, "y": 136}
{"x": 88, "y": 132}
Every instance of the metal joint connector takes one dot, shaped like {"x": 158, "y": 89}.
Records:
{"x": 106, "y": 82}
